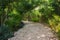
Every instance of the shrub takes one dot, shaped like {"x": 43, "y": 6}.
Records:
{"x": 55, "y": 23}
{"x": 5, "y": 33}
{"x": 14, "y": 20}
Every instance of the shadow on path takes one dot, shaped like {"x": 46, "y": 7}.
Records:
{"x": 20, "y": 26}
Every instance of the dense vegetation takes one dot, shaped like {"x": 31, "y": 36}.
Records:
{"x": 13, "y": 11}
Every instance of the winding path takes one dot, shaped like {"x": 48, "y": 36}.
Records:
{"x": 34, "y": 31}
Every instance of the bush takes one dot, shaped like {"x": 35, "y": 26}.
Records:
{"x": 5, "y": 33}
{"x": 55, "y": 23}
{"x": 14, "y": 20}
{"x": 34, "y": 16}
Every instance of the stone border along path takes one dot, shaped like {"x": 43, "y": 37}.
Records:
{"x": 34, "y": 31}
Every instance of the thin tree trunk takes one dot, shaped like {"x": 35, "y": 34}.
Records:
{"x": 1, "y": 21}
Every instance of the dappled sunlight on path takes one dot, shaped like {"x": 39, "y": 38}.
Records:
{"x": 34, "y": 31}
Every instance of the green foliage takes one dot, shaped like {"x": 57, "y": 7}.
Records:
{"x": 14, "y": 20}
{"x": 55, "y": 22}
{"x": 5, "y": 33}
{"x": 12, "y": 12}
{"x": 33, "y": 15}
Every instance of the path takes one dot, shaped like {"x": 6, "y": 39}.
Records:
{"x": 34, "y": 31}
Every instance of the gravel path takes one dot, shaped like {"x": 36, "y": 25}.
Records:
{"x": 34, "y": 31}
